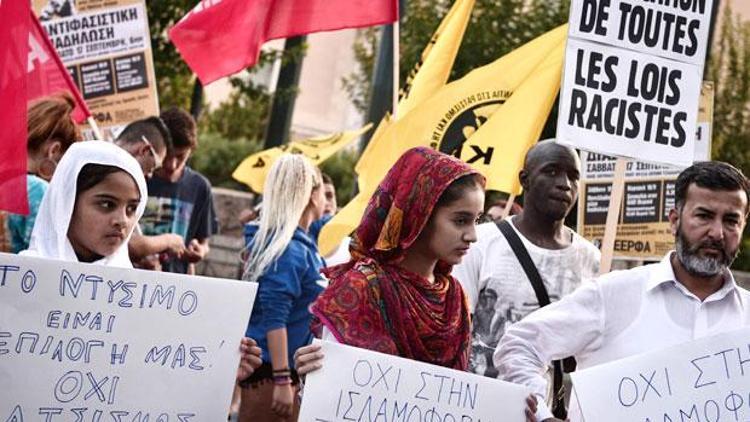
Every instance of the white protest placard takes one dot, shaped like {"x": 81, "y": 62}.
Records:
{"x": 675, "y": 29}
{"x": 632, "y": 78}
{"x": 629, "y": 104}
{"x": 362, "y": 385}
{"x": 707, "y": 380}
{"x": 91, "y": 343}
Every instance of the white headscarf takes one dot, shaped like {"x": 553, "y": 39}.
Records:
{"x": 49, "y": 238}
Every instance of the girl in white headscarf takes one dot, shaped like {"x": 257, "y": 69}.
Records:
{"x": 91, "y": 206}
{"x": 95, "y": 198}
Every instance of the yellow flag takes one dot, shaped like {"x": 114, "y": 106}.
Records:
{"x": 432, "y": 71}
{"x": 436, "y": 62}
{"x": 252, "y": 170}
{"x": 516, "y": 126}
{"x": 362, "y": 162}
{"x": 455, "y": 113}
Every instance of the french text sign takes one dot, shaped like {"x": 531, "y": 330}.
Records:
{"x": 87, "y": 342}
{"x": 362, "y": 385}
{"x": 632, "y": 78}
{"x": 675, "y": 29}
{"x": 629, "y": 104}
{"x": 705, "y": 380}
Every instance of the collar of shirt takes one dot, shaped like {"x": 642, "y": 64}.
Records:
{"x": 664, "y": 273}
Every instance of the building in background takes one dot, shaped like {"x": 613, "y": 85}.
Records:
{"x": 322, "y": 105}
{"x": 739, "y": 6}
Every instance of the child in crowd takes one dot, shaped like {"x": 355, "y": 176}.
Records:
{"x": 92, "y": 204}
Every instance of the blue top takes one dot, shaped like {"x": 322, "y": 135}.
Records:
{"x": 20, "y": 226}
{"x": 317, "y": 226}
{"x": 285, "y": 292}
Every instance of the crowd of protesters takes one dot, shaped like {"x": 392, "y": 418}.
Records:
{"x": 419, "y": 277}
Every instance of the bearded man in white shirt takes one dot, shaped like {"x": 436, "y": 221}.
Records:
{"x": 690, "y": 294}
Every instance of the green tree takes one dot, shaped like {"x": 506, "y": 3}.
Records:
{"x": 216, "y": 158}
{"x": 340, "y": 167}
{"x": 729, "y": 68}
{"x": 243, "y": 115}
{"x": 174, "y": 79}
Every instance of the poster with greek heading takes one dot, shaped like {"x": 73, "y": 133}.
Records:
{"x": 643, "y": 231}
{"x": 704, "y": 380}
{"x": 82, "y": 342}
{"x": 106, "y": 47}
{"x": 632, "y": 78}
{"x": 361, "y": 385}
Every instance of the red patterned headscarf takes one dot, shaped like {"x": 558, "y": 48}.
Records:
{"x": 375, "y": 304}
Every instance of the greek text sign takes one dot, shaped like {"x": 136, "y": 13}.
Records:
{"x": 106, "y": 47}
{"x": 86, "y": 342}
{"x": 361, "y": 385}
{"x": 705, "y": 380}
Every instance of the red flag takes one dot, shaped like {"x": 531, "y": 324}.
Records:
{"x": 14, "y": 51}
{"x": 221, "y": 37}
{"x": 47, "y": 74}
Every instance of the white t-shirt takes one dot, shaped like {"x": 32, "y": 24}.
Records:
{"x": 499, "y": 292}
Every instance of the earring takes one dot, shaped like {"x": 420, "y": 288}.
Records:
{"x": 47, "y": 168}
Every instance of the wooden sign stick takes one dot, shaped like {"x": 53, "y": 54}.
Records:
{"x": 613, "y": 216}
{"x": 508, "y": 206}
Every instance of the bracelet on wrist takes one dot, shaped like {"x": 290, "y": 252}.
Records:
{"x": 282, "y": 380}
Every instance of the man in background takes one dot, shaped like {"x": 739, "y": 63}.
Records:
{"x": 563, "y": 258}
{"x": 148, "y": 141}
{"x": 180, "y": 199}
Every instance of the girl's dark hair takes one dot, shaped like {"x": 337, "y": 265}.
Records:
{"x": 455, "y": 190}
{"x": 93, "y": 174}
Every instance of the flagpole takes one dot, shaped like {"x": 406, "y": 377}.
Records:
{"x": 508, "y": 205}
{"x": 94, "y": 127}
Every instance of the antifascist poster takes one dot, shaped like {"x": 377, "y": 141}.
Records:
{"x": 632, "y": 78}
{"x": 643, "y": 230}
{"x": 106, "y": 47}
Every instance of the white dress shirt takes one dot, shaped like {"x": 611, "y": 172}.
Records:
{"x": 620, "y": 314}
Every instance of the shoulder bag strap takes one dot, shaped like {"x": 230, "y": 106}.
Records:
{"x": 515, "y": 242}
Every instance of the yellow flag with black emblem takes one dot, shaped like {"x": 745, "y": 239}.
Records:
{"x": 431, "y": 72}
{"x": 252, "y": 170}
{"x": 453, "y": 116}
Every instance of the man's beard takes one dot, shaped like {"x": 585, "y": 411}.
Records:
{"x": 700, "y": 266}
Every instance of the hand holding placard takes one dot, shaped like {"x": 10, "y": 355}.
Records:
{"x": 86, "y": 342}
{"x": 705, "y": 380}
{"x": 358, "y": 384}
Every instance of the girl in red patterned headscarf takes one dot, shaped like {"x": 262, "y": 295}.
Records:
{"x": 396, "y": 295}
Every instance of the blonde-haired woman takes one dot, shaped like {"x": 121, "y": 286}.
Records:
{"x": 286, "y": 264}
